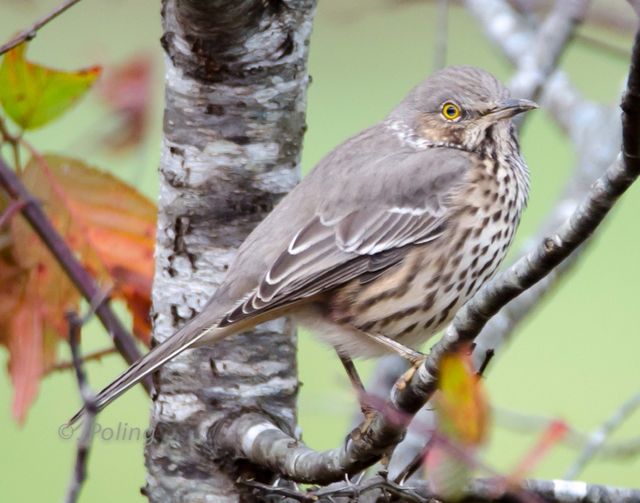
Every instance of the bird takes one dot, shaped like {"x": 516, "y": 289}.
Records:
{"x": 386, "y": 238}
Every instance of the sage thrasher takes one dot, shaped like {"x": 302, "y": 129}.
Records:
{"x": 387, "y": 237}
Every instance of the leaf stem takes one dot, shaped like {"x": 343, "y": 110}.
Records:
{"x": 14, "y": 141}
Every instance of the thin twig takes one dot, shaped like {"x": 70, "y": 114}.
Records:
{"x": 515, "y": 38}
{"x": 41, "y": 224}
{"x": 88, "y": 399}
{"x": 442, "y": 34}
{"x": 96, "y": 355}
{"x": 602, "y": 15}
{"x": 598, "y": 438}
{"x": 413, "y": 465}
{"x": 532, "y": 423}
{"x": 549, "y": 44}
{"x": 535, "y": 63}
{"x": 584, "y": 121}
{"x": 30, "y": 32}
{"x": 15, "y": 206}
{"x": 488, "y": 356}
{"x": 603, "y": 46}
{"x": 13, "y": 141}
{"x": 480, "y": 490}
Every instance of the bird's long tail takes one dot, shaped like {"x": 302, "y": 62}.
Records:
{"x": 185, "y": 338}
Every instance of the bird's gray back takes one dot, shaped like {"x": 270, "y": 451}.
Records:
{"x": 370, "y": 170}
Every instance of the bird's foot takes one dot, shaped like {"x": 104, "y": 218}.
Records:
{"x": 416, "y": 362}
{"x": 369, "y": 414}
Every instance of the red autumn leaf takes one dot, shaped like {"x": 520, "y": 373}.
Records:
{"x": 26, "y": 363}
{"x": 33, "y": 95}
{"x": 32, "y": 306}
{"x": 127, "y": 91}
{"x": 461, "y": 404}
{"x": 111, "y": 229}
{"x": 108, "y": 223}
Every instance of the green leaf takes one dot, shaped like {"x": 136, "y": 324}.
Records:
{"x": 33, "y": 95}
{"x": 461, "y": 405}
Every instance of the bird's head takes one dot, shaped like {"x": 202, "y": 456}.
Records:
{"x": 461, "y": 106}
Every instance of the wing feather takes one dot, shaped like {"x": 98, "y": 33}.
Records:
{"x": 327, "y": 253}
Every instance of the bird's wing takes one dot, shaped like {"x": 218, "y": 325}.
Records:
{"x": 325, "y": 254}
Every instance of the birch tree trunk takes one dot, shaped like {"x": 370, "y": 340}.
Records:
{"x": 236, "y": 81}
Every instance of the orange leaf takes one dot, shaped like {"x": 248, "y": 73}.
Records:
{"x": 33, "y": 301}
{"x": 108, "y": 223}
{"x": 33, "y": 95}
{"x": 461, "y": 404}
{"x": 111, "y": 228}
{"x": 11, "y": 286}
{"x": 26, "y": 363}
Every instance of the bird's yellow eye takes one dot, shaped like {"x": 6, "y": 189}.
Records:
{"x": 451, "y": 111}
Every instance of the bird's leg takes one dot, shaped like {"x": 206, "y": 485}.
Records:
{"x": 415, "y": 358}
{"x": 367, "y": 411}
{"x": 411, "y": 355}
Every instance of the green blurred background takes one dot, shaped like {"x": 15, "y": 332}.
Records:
{"x": 576, "y": 358}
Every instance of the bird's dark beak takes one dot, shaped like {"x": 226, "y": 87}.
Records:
{"x": 506, "y": 109}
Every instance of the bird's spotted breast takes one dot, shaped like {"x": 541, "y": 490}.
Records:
{"x": 418, "y": 297}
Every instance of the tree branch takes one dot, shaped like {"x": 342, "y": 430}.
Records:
{"x": 515, "y": 38}
{"x": 122, "y": 340}
{"x": 66, "y": 365}
{"x": 534, "y": 68}
{"x": 30, "y": 32}
{"x": 263, "y": 443}
{"x": 489, "y": 490}
{"x": 549, "y": 42}
{"x": 530, "y": 423}
{"x": 598, "y": 438}
{"x": 596, "y": 132}
{"x": 88, "y": 399}
{"x": 441, "y": 31}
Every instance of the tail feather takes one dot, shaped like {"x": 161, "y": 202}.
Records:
{"x": 186, "y": 337}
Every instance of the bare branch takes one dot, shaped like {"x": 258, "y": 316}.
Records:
{"x": 603, "y": 46}
{"x": 545, "y": 256}
{"x": 508, "y": 31}
{"x": 442, "y": 33}
{"x": 263, "y": 443}
{"x": 123, "y": 341}
{"x": 479, "y": 490}
{"x": 605, "y": 15}
{"x": 531, "y": 423}
{"x": 96, "y": 355}
{"x": 635, "y": 4}
{"x": 550, "y": 41}
{"x": 88, "y": 399}
{"x": 30, "y": 32}
{"x": 598, "y": 438}
{"x": 594, "y": 158}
